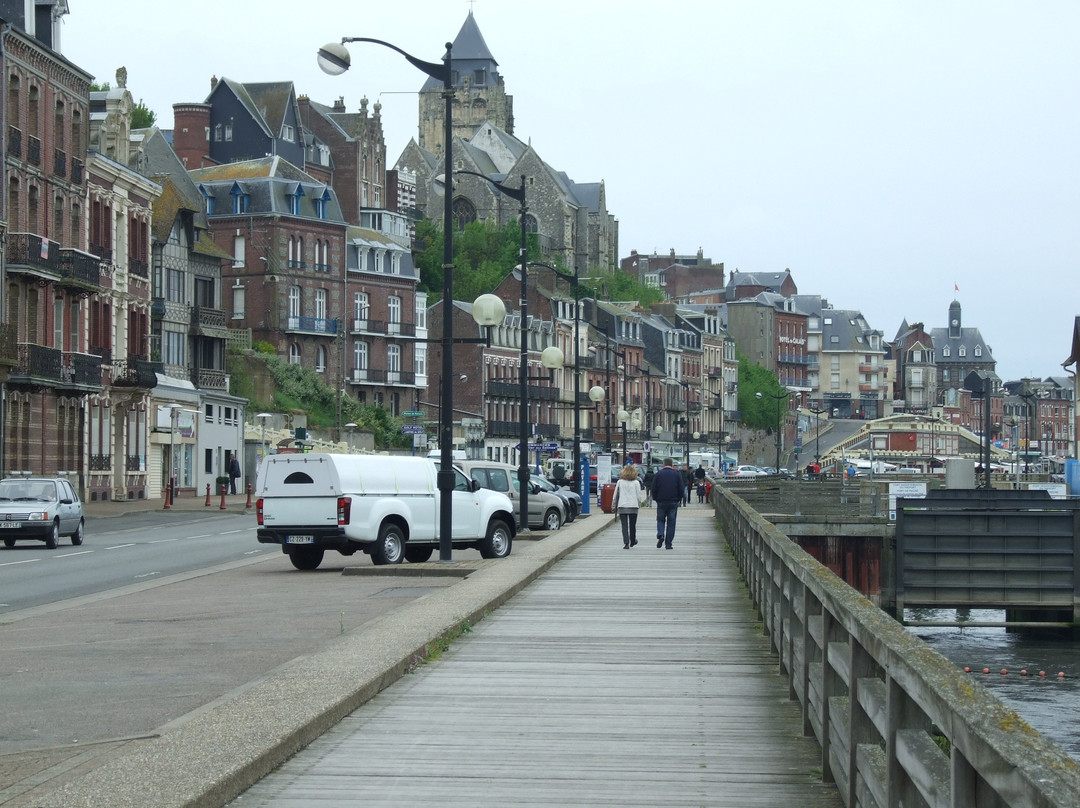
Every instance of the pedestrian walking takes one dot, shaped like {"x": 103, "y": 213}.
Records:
{"x": 628, "y": 498}
{"x": 650, "y": 473}
{"x": 688, "y": 482}
{"x": 668, "y": 489}
{"x": 234, "y": 474}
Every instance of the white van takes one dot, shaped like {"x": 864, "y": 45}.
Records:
{"x": 385, "y": 506}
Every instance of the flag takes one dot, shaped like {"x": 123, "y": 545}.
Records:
{"x": 955, "y": 288}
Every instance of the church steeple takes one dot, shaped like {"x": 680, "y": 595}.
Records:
{"x": 480, "y": 94}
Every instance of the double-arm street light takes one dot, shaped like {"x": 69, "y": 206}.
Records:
{"x": 334, "y": 59}
{"x": 817, "y": 434}
{"x": 779, "y": 423}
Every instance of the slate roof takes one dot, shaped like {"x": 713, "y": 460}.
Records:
{"x": 266, "y": 102}
{"x": 468, "y": 46}
{"x": 268, "y": 183}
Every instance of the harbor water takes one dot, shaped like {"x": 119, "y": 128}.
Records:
{"x": 1050, "y": 704}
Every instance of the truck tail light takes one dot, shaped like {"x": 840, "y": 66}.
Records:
{"x": 344, "y": 510}
{"x": 259, "y": 511}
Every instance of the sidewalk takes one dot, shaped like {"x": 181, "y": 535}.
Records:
{"x": 185, "y": 502}
{"x": 608, "y": 676}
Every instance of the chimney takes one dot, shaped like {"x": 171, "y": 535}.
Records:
{"x": 213, "y": 83}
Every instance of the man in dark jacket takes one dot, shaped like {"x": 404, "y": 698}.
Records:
{"x": 667, "y": 493}
{"x": 234, "y": 474}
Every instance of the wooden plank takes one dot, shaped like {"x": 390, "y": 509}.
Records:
{"x": 637, "y": 678}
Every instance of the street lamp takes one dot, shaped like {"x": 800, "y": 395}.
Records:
{"x": 262, "y": 416}
{"x": 334, "y": 59}
{"x": 350, "y": 426}
{"x": 174, "y": 416}
{"x": 779, "y": 427}
{"x": 817, "y": 434}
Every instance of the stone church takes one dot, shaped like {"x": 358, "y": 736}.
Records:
{"x": 571, "y": 218}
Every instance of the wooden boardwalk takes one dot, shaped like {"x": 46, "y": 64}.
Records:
{"x": 621, "y": 677}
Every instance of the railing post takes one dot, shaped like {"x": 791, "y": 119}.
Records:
{"x": 248, "y": 505}
{"x": 168, "y": 496}
{"x": 222, "y": 498}
{"x": 207, "y": 505}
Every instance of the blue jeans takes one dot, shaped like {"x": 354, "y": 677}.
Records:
{"x": 665, "y": 521}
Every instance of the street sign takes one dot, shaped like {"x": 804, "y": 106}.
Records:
{"x": 413, "y": 414}
{"x": 412, "y": 429}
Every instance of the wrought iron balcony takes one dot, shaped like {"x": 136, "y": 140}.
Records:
{"x": 139, "y": 267}
{"x": 135, "y": 371}
{"x": 9, "y": 349}
{"x": 76, "y": 171}
{"x": 37, "y": 363}
{"x": 27, "y": 250}
{"x": 81, "y": 371}
{"x": 79, "y": 270}
{"x": 33, "y": 150}
{"x": 59, "y": 163}
{"x": 15, "y": 139}
{"x": 307, "y": 325}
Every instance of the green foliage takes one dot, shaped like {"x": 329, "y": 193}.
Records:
{"x": 142, "y": 117}
{"x": 301, "y": 390}
{"x": 484, "y": 254}
{"x": 758, "y": 413}
{"x": 607, "y": 284}
{"x": 264, "y": 348}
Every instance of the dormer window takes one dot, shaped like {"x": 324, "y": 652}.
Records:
{"x": 288, "y": 133}
{"x": 946, "y": 351}
{"x": 978, "y": 350}
{"x": 208, "y": 200}
{"x": 240, "y": 198}
{"x": 961, "y": 351}
{"x": 320, "y": 203}
{"x": 294, "y": 199}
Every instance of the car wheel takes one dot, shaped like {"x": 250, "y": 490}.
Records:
{"x": 53, "y": 538}
{"x": 390, "y": 547}
{"x": 306, "y": 558}
{"x": 498, "y": 541}
{"x": 77, "y": 536}
{"x": 9, "y": 542}
{"x": 418, "y": 553}
{"x": 552, "y": 520}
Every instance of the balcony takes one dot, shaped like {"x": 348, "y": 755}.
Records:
{"x": 135, "y": 371}
{"x": 378, "y": 376}
{"x": 33, "y": 150}
{"x": 207, "y": 322}
{"x": 102, "y": 252}
{"x": 15, "y": 139}
{"x": 394, "y": 329}
{"x": 208, "y": 379}
{"x": 308, "y": 325}
{"x": 28, "y": 251}
{"x": 76, "y": 171}
{"x": 80, "y": 371}
{"x": 59, "y": 163}
{"x": 503, "y": 429}
{"x": 401, "y": 377}
{"x": 138, "y": 267}
{"x": 79, "y": 270}
{"x": 37, "y": 365}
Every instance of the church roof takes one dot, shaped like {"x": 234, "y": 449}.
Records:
{"x": 469, "y": 52}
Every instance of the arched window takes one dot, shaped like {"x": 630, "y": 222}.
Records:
{"x": 14, "y": 89}
{"x": 294, "y": 353}
{"x": 464, "y": 212}
{"x": 294, "y": 301}
{"x": 531, "y": 225}
{"x": 320, "y": 359}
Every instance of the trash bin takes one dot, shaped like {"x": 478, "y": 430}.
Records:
{"x": 607, "y": 494}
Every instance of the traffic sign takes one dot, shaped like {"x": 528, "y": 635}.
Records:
{"x": 413, "y": 414}
{"x": 412, "y": 429}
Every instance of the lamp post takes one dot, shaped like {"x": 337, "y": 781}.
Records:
{"x": 817, "y": 435}
{"x": 351, "y": 426}
{"x": 262, "y": 416}
{"x": 334, "y": 59}
{"x": 174, "y": 416}
{"x": 778, "y": 399}
{"x": 582, "y": 491}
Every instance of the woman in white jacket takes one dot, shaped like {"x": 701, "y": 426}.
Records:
{"x": 627, "y": 499}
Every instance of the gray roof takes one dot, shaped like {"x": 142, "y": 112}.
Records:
{"x": 969, "y": 340}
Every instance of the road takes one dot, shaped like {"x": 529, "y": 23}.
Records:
{"x": 120, "y": 552}
{"x": 154, "y": 618}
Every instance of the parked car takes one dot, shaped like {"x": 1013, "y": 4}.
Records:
{"x": 387, "y": 507}
{"x": 747, "y": 471}
{"x": 40, "y": 509}
{"x": 571, "y": 498}
{"x": 546, "y": 511}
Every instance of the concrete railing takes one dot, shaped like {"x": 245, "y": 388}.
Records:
{"x": 898, "y": 723}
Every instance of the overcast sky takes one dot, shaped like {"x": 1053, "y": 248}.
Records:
{"x": 887, "y": 152}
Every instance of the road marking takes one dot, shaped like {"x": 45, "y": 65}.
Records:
{"x": 71, "y": 555}
{"x": 230, "y": 532}
{"x": 24, "y": 561}
{"x": 147, "y": 575}
{"x": 161, "y": 541}
{"x": 119, "y": 546}
{"x": 204, "y": 536}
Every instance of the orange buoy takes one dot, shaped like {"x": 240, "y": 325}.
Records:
{"x": 1042, "y": 674}
{"x": 967, "y": 670}
{"x": 1023, "y": 672}
{"x": 1004, "y": 671}
{"x": 1061, "y": 674}
{"x": 986, "y": 670}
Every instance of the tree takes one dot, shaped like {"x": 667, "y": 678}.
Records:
{"x": 142, "y": 117}
{"x": 758, "y": 413}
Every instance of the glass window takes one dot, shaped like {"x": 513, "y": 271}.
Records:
{"x": 294, "y": 353}
{"x": 294, "y": 301}
{"x": 320, "y": 359}
{"x": 320, "y": 304}
{"x": 360, "y": 355}
{"x": 360, "y": 306}
{"x": 393, "y": 358}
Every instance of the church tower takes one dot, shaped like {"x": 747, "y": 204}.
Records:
{"x": 479, "y": 94}
{"x": 955, "y": 324}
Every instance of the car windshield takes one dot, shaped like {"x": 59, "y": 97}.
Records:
{"x": 25, "y": 491}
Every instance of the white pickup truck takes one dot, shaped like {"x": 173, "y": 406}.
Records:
{"x": 382, "y": 505}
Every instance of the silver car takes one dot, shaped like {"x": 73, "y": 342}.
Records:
{"x": 546, "y": 511}
{"x": 40, "y": 509}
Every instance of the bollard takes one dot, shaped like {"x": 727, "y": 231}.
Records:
{"x": 222, "y": 498}
{"x": 168, "y": 495}
{"x": 249, "y": 496}
{"x": 207, "y": 505}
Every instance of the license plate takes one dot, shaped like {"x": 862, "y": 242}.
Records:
{"x": 299, "y": 539}
{"x": 10, "y": 525}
